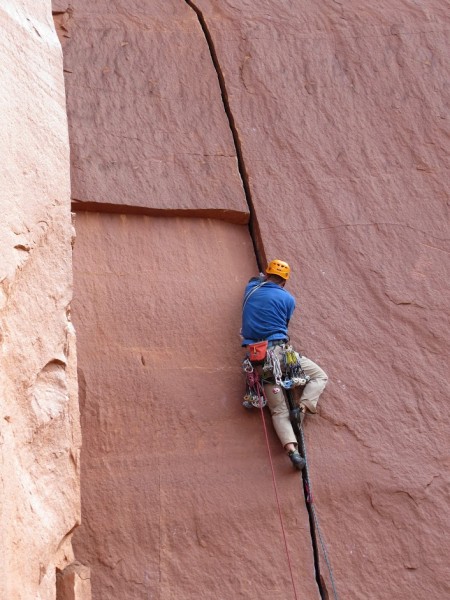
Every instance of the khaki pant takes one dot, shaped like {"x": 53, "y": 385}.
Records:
{"x": 310, "y": 397}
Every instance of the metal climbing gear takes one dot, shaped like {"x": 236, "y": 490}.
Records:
{"x": 254, "y": 395}
{"x": 286, "y": 371}
{"x": 295, "y": 375}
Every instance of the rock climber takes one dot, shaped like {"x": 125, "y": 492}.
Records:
{"x": 267, "y": 310}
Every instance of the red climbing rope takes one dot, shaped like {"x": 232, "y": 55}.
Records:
{"x": 261, "y": 406}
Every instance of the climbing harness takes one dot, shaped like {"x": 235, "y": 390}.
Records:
{"x": 287, "y": 371}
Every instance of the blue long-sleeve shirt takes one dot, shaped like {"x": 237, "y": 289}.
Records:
{"x": 266, "y": 313}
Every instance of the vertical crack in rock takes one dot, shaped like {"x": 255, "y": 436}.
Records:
{"x": 312, "y": 529}
{"x": 257, "y": 244}
{"x": 253, "y": 223}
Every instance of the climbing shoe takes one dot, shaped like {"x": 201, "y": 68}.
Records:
{"x": 297, "y": 459}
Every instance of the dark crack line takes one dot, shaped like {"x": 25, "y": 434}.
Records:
{"x": 313, "y": 524}
{"x": 253, "y": 223}
{"x": 221, "y": 214}
{"x": 256, "y": 239}
{"x": 314, "y": 529}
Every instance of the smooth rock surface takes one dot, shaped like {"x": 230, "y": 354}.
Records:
{"x": 147, "y": 125}
{"x": 39, "y": 421}
{"x": 341, "y": 111}
{"x": 177, "y": 492}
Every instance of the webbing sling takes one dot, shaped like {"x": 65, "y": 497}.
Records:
{"x": 252, "y": 292}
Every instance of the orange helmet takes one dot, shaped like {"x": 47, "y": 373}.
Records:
{"x": 278, "y": 267}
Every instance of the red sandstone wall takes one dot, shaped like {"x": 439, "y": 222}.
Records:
{"x": 343, "y": 122}
{"x": 39, "y": 421}
{"x": 177, "y": 496}
{"x": 340, "y": 115}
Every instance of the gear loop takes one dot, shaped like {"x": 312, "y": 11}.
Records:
{"x": 286, "y": 369}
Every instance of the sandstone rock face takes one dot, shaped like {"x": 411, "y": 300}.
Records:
{"x": 143, "y": 130}
{"x": 74, "y": 583}
{"x": 342, "y": 119}
{"x": 339, "y": 113}
{"x": 177, "y": 494}
{"x": 39, "y": 423}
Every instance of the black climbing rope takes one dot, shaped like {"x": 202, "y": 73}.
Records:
{"x": 316, "y": 532}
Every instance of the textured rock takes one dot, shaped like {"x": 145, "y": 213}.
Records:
{"x": 147, "y": 125}
{"x": 342, "y": 120}
{"x": 39, "y": 422}
{"x": 177, "y": 494}
{"x": 73, "y": 583}
{"x": 340, "y": 113}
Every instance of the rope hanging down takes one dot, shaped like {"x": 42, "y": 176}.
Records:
{"x": 255, "y": 396}
{"x": 256, "y": 391}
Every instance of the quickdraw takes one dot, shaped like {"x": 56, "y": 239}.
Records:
{"x": 254, "y": 395}
{"x": 272, "y": 367}
{"x": 288, "y": 372}
{"x": 295, "y": 375}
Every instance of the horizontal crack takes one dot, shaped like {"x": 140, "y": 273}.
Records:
{"x": 221, "y": 214}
